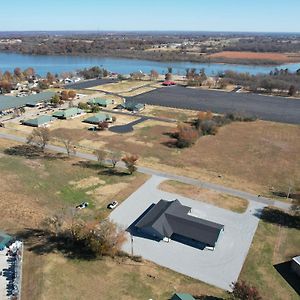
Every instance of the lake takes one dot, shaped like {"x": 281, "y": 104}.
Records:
{"x": 58, "y": 64}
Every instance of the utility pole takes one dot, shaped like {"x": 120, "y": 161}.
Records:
{"x": 131, "y": 238}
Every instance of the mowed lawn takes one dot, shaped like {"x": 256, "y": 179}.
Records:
{"x": 33, "y": 189}
{"x": 259, "y": 157}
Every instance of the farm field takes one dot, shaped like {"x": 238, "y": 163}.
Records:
{"x": 278, "y": 57}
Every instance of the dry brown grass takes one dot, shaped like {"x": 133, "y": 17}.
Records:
{"x": 225, "y": 201}
{"x": 59, "y": 278}
{"x": 281, "y": 57}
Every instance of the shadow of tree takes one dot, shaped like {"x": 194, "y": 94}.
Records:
{"x": 42, "y": 242}
{"x": 103, "y": 169}
{"x": 279, "y": 217}
{"x": 33, "y": 152}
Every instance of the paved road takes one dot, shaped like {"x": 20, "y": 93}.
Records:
{"x": 268, "y": 108}
{"x": 127, "y": 127}
{"x": 89, "y": 83}
{"x": 196, "y": 182}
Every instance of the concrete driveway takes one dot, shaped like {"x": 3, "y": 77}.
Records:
{"x": 219, "y": 267}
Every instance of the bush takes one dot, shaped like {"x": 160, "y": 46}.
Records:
{"x": 137, "y": 258}
{"x": 186, "y": 136}
{"x": 209, "y": 127}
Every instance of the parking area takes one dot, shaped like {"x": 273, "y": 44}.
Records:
{"x": 267, "y": 108}
{"x": 220, "y": 267}
{"x": 89, "y": 83}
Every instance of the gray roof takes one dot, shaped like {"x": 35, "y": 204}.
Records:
{"x": 297, "y": 259}
{"x": 10, "y": 102}
{"x": 171, "y": 217}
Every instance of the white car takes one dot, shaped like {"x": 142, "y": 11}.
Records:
{"x": 82, "y": 205}
{"x": 112, "y": 205}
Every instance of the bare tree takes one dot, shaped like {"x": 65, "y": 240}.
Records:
{"x": 67, "y": 138}
{"x": 39, "y": 137}
{"x": 101, "y": 155}
{"x": 115, "y": 157}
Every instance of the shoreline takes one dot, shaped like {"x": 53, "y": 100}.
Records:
{"x": 250, "y": 63}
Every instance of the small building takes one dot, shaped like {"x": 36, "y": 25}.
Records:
{"x": 168, "y": 220}
{"x": 98, "y": 118}
{"x": 41, "y": 121}
{"x": 295, "y": 265}
{"x": 101, "y": 102}
{"x": 5, "y": 240}
{"x": 182, "y": 296}
{"x": 8, "y": 103}
{"x": 68, "y": 113}
{"x": 135, "y": 107}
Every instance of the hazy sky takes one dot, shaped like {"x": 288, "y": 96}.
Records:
{"x": 201, "y": 15}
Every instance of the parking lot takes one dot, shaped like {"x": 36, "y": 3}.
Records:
{"x": 219, "y": 267}
{"x": 89, "y": 83}
{"x": 267, "y": 108}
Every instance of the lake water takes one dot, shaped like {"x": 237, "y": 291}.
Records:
{"x": 58, "y": 64}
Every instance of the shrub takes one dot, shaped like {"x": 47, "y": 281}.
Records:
{"x": 209, "y": 127}
{"x": 186, "y": 136}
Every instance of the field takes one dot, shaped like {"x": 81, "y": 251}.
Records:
{"x": 38, "y": 187}
{"x": 279, "y": 57}
{"x": 272, "y": 244}
{"x": 234, "y": 204}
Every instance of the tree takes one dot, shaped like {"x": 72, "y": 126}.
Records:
{"x": 83, "y": 105}
{"x": 66, "y": 137}
{"x": 95, "y": 108}
{"x": 243, "y": 291}
{"x": 130, "y": 161}
{"x": 168, "y": 76}
{"x": 64, "y": 95}
{"x": 154, "y": 75}
{"x": 101, "y": 155}
{"x": 43, "y": 84}
{"x": 55, "y": 100}
{"x": 39, "y": 137}
{"x": 72, "y": 94}
{"x": 103, "y": 125}
{"x": 186, "y": 135}
{"x": 115, "y": 157}
{"x": 170, "y": 70}
{"x": 50, "y": 78}
{"x": 18, "y": 74}
{"x": 292, "y": 91}
{"x": 29, "y": 73}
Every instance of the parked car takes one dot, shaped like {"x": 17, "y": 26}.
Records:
{"x": 112, "y": 205}
{"x": 82, "y": 205}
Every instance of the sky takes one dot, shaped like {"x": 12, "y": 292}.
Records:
{"x": 141, "y": 15}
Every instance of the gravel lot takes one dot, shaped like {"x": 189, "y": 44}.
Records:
{"x": 267, "y": 108}
{"x": 219, "y": 267}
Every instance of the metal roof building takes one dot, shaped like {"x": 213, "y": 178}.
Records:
{"x": 98, "y": 118}
{"x": 169, "y": 218}
{"x": 100, "y": 102}
{"x": 11, "y": 102}
{"x": 39, "y": 121}
{"x": 68, "y": 113}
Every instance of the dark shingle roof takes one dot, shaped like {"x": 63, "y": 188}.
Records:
{"x": 171, "y": 217}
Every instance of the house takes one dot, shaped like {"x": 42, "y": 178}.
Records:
{"x": 68, "y": 113}
{"x": 101, "y": 102}
{"x": 295, "y": 265}
{"x": 98, "y": 118}
{"x": 181, "y": 296}
{"x": 41, "y": 121}
{"x": 8, "y": 103}
{"x": 171, "y": 220}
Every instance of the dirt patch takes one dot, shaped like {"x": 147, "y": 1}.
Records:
{"x": 87, "y": 182}
{"x": 218, "y": 199}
